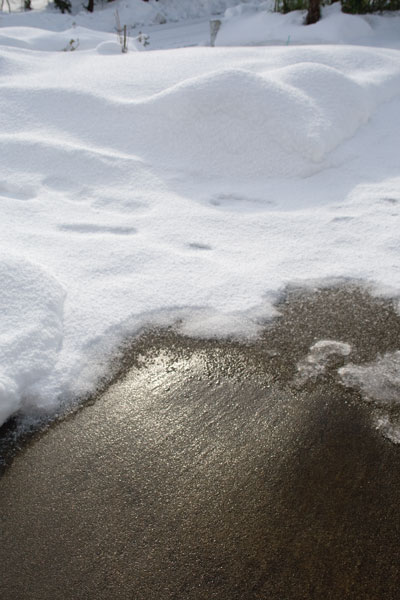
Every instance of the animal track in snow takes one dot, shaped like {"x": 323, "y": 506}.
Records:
{"x": 391, "y": 200}
{"x": 17, "y": 192}
{"x": 237, "y": 203}
{"x": 61, "y": 184}
{"x": 91, "y": 228}
{"x": 343, "y": 219}
{"x": 119, "y": 205}
{"x": 199, "y": 246}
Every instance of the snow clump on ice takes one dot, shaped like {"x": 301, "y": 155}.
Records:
{"x": 379, "y": 383}
{"x": 320, "y": 357}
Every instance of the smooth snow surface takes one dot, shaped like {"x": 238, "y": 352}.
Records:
{"x": 191, "y": 184}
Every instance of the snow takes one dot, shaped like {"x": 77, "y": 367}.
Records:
{"x": 184, "y": 183}
{"x": 31, "y": 329}
{"x": 253, "y": 24}
{"x": 379, "y": 381}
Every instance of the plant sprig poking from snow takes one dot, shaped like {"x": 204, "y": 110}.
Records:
{"x": 72, "y": 45}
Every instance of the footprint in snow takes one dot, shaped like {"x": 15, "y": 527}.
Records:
{"x": 17, "y": 192}
{"x": 120, "y": 205}
{"x": 90, "y": 228}
{"x": 343, "y": 219}
{"x": 199, "y": 246}
{"x": 391, "y": 200}
{"x": 238, "y": 203}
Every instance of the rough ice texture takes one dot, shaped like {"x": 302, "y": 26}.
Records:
{"x": 378, "y": 381}
{"x": 295, "y": 115}
{"x": 320, "y": 357}
{"x": 388, "y": 428}
{"x": 188, "y": 184}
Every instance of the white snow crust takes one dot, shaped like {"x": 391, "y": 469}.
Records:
{"x": 184, "y": 183}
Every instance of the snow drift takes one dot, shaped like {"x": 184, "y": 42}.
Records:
{"x": 245, "y": 124}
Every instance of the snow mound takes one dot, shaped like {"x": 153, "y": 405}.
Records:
{"x": 31, "y": 308}
{"x": 341, "y": 27}
{"x": 277, "y": 123}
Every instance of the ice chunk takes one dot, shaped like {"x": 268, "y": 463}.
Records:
{"x": 378, "y": 381}
{"x": 388, "y": 428}
{"x": 320, "y": 356}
